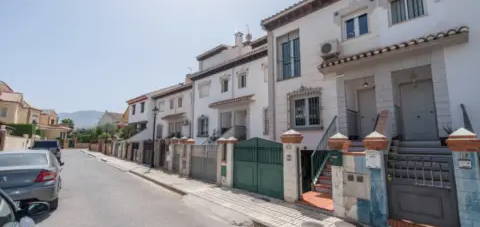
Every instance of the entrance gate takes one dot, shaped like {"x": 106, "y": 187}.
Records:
{"x": 421, "y": 188}
{"x": 258, "y": 167}
{"x": 204, "y": 163}
{"x": 176, "y": 158}
{"x": 147, "y": 152}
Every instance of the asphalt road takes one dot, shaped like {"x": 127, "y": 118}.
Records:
{"x": 96, "y": 194}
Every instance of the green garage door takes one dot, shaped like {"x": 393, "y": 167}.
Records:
{"x": 258, "y": 167}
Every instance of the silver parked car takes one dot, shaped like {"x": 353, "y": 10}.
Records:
{"x": 30, "y": 176}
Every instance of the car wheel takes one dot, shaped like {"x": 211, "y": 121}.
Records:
{"x": 54, "y": 204}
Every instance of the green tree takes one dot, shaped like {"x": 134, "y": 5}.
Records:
{"x": 68, "y": 122}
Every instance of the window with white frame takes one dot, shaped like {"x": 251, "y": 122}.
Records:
{"x": 403, "y": 10}
{"x": 202, "y": 126}
{"x": 224, "y": 85}
{"x": 204, "y": 90}
{"x": 180, "y": 102}
{"x": 3, "y": 112}
{"x": 356, "y": 26}
{"x": 175, "y": 128}
{"x": 134, "y": 107}
{"x": 242, "y": 80}
{"x": 142, "y": 107}
{"x": 289, "y": 56}
{"x": 172, "y": 104}
{"x": 306, "y": 112}
{"x": 161, "y": 106}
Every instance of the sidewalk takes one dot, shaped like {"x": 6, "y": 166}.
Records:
{"x": 266, "y": 211}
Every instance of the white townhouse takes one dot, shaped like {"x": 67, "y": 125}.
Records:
{"x": 174, "y": 104}
{"x": 140, "y": 115}
{"x": 407, "y": 68}
{"x": 381, "y": 55}
{"x": 230, "y": 91}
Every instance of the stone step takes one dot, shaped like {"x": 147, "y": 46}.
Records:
{"x": 423, "y": 150}
{"x": 435, "y": 143}
{"x": 326, "y": 188}
{"x": 356, "y": 149}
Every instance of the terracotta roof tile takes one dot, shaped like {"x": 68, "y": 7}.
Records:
{"x": 395, "y": 47}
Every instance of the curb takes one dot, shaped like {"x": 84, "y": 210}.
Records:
{"x": 171, "y": 188}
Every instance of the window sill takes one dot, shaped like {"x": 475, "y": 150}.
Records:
{"x": 290, "y": 78}
{"x": 406, "y": 21}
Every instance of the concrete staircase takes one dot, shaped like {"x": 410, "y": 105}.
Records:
{"x": 324, "y": 181}
{"x": 419, "y": 147}
{"x": 357, "y": 146}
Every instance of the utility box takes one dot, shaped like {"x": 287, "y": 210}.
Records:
{"x": 356, "y": 185}
{"x": 336, "y": 158}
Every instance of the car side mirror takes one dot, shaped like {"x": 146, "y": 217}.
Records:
{"x": 37, "y": 209}
{"x": 62, "y": 163}
{"x": 26, "y": 222}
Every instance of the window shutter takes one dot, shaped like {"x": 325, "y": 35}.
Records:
{"x": 159, "y": 131}
{"x": 296, "y": 56}
{"x": 350, "y": 26}
{"x": 363, "y": 24}
{"x": 286, "y": 57}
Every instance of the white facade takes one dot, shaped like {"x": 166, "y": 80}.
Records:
{"x": 451, "y": 66}
{"x": 174, "y": 118}
{"x": 143, "y": 120}
{"x": 242, "y": 100}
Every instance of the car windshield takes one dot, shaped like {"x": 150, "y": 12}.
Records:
{"x": 45, "y": 144}
{"x": 22, "y": 159}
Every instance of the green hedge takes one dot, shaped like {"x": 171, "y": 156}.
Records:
{"x": 22, "y": 129}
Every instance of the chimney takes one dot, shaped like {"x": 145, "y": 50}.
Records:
{"x": 238, "y": 39}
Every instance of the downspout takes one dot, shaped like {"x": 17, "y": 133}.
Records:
{"x": 271, "y": 83}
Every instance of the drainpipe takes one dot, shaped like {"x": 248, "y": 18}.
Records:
{"x": 271, "y": 83}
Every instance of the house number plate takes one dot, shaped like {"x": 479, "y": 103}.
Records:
{"x": 465, "y": 163}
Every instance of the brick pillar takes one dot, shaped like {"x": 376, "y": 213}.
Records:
{"x": 376, "y": 146}
{"x": 338, "y": 142}
{"x": 466, "y": 147}
{"x": 291, "y": 151}
{"x": 225, "y": 161}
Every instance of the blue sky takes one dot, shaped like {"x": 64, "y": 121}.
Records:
{"x": 73, "y": 55}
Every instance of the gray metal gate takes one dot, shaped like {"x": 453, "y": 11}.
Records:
{"x": 421, "y": 188}
{"x": 204, "y": 163}
{"x": 176, "y": 158}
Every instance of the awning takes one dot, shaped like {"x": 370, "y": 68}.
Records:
{"x": 173, "y": 116}
{"x": 239, "y": 100}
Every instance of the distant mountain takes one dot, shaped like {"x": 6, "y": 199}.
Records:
{"x": 83, "y": 119}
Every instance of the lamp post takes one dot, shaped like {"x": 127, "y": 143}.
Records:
{"x": 155, "y": 112}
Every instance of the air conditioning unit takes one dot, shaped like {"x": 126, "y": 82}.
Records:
{"x": 330, "y": 49}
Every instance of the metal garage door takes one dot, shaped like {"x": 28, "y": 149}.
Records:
{"x": 258, "y": 167}
{"x": 204, "y": 163}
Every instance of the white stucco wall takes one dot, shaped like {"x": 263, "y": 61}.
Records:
{"x": 186, "y": 108}
{"x": 256, "y": 84}
{"x": 16, "y": 143}
{"x": 457, "y": 61}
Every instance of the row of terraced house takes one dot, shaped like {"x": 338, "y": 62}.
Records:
{"x": 363, "y": 108}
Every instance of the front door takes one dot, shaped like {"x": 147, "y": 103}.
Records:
{"x": 367, "y": 108}
{"x": 418, "y": 111}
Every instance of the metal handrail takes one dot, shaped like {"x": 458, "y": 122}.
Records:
{"x": 320, "y": 155}
{"x": 466, "y": 118}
